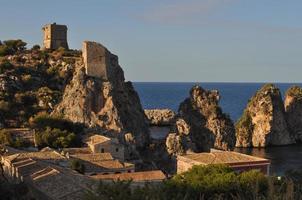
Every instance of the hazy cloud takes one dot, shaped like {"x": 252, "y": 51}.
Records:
{"x": 182, "y": 11}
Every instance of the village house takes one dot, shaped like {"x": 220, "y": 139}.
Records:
{"x": 20, "y": 164}
{"x": 98, "y": 163}
{"x": 238, "y": 161}
{"x": 137, "y": 178}
{"x": 102, "y": 144}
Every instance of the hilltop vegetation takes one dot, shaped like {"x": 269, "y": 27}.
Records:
{"x": 31, "y": 81}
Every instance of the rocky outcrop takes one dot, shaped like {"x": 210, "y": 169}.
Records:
{"x": 201, "y": 125}
{"x": 107, "y": 103}
{"x": 263, "y": 121}
{"x": 293, "y": 110}
{"x": 160, "y": 117}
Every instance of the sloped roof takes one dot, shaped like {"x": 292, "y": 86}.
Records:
{"x": 94, "y": 157}
{"x": 223, "y": 157}
{"x": 96, "y": 139}
{"x": 134, "y": 176}
{"x": 59, "y": 183}
{"x": 72, "y": 151}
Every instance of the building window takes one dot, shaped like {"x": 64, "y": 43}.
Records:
{"x": 102, "y": 150}
{"x": 116, "y": 149}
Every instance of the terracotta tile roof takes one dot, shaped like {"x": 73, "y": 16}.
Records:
{"x": 72, "y": 151}
{"x": 134, "y": 176}
{"x": 96, "y": 139}
{"x": 109, "y": 164}
{"x": 41, "y": 155}
{"x": 94, "y": 157}
{"x": 53, "y": 183}
{"x": 222, "y": 157}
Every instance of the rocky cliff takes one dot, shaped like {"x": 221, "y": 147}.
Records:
{"x": 160, "y": 117}
{"x": 201, "y": 124}
{"x": 108, "y": 103}
{"x": 293, "y": 110}
{"x": 263, "y": 121}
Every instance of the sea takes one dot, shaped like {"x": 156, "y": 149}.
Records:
{"x": 233, "y": 99}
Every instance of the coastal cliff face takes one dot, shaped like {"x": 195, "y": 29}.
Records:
{"x": 108, "y": 103}
{"x": 160, "y": 117}
{"x": 263, "y": 122}
{"x": 293, "y": 110}
{"x": 201, "y": 125}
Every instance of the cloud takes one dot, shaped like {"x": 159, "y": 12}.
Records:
{"x": 177, "y": 11}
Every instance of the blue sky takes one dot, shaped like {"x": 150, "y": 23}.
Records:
{"x": 173, "y": 40}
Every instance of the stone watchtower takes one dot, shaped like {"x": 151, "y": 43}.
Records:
{"x": 55, "y": 36}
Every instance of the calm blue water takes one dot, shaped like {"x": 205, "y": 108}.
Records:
{"x": 234, "y": 97}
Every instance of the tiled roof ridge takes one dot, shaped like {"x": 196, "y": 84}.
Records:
{"x": 44, "y": 172}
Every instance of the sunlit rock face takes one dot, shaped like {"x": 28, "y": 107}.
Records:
{"x": 98, "y": 96}
{"x": 263, "y": 122}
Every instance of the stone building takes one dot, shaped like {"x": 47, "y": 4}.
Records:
{"x": 238, "y": 161}
{"x": 137, "y": 178}
{"x": 55, "y": 36}
{"x": 102, "y": 144}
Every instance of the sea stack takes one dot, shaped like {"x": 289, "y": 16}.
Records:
{"x": 99, "y": 97}
{"x": 293, "y": 110}
{"x": 201, "y": 124}
{"x": 263, "y": 121}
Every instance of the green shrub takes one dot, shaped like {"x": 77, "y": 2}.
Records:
{"x": 43, "y": 120}
{"x": 4, "y": 105}
{"x": 77, "y": 165}
{"x": 5, "y": 65}
{"x": 36, "y": 47}
{"x": 55, "y": 138}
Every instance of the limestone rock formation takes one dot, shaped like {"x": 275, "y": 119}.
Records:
{"x": 105, "y": 101}
{"x": 201, "y": 125}
{"x": 160, "y": 117}
{"x": 293, "y": 110}
{"x": 263, "y": 121}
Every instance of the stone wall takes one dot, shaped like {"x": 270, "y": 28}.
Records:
{"x": 99, "y": 62}
{"x": 116, "y": 150}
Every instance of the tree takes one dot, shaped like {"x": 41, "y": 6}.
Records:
{"x": 10, "y": 47}
{"x": 36, "y": 47}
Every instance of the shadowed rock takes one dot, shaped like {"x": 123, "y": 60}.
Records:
{"x": 293, "y": 110}
{"x": 201, "y": 125}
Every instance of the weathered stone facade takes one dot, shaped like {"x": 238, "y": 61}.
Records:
{"x": 98, "y": 61}
{"x": 102, "y": 144}
{"x": 55, "y": 36}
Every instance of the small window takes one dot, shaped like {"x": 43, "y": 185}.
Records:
{"x": 116, "y": 149}
{"x": 102, "y": 150}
